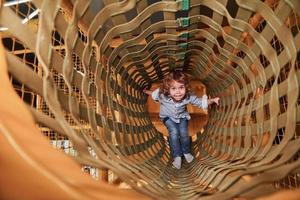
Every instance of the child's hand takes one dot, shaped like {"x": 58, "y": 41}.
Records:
{"x": 148, "y": 92}
{"x": 215, "y": 100}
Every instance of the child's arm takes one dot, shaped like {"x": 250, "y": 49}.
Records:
{"x": 154, "y": 94}
{"x": 203, "y": 102}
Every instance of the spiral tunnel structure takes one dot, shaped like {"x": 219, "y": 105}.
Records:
{"x": 81, "y": 74}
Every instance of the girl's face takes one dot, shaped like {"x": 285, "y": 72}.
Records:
{"x": 177, "y": 90}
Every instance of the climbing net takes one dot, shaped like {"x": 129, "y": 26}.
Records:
{"x": 81, "y": 66}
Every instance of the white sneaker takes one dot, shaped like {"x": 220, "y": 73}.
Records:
{"x": 188, "y": 157}
{"x": 177, "y": 162}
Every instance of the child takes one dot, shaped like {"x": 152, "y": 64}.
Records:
{"x": 174, "y": 94}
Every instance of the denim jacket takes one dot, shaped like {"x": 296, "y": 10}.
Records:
{"x": 177, "y": 110}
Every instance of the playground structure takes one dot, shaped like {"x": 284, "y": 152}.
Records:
{"x": 79, "y": 68}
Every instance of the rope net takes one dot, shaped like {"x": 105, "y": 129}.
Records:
{"x": 80, "y": 68}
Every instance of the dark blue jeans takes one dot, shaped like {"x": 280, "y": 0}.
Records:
{"x": 178, "y": 136}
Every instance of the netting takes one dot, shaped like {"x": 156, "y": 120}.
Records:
{"x": 81, "y": 66}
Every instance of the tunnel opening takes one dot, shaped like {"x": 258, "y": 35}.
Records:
{"x": 80, "y": 67}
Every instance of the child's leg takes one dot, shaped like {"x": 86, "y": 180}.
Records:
{"x": 174, "y": 142}
{"x": 184, "y": 136}
{"x": 185, "y": 140}
{"x": 173, "y": 130}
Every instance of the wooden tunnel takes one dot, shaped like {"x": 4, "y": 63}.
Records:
{"x": 72, "y": 75}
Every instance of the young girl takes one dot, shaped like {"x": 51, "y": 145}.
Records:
{"x": 174, "y": 95}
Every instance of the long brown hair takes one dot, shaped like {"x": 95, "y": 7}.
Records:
{"x": 178, "y": 76}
